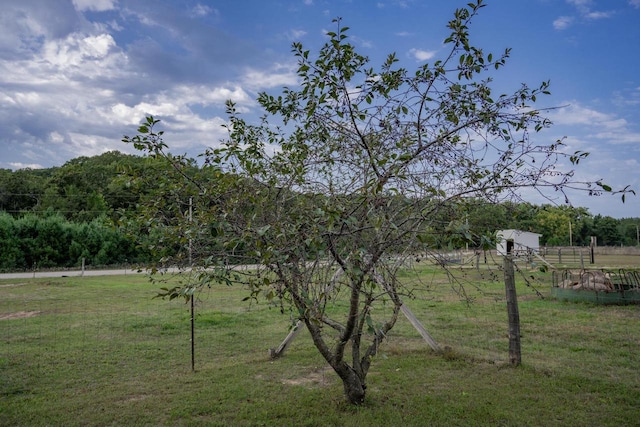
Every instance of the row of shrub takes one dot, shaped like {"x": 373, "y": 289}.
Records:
{"x": 51, "y": 241}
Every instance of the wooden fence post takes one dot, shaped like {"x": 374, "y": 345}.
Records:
{"x": 515, "y": 355}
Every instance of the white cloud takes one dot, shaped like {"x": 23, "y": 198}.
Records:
{"x": 583, "y": 6}
{"x": 204, "y": 95}
{"x": 598, "y": 15}
{"x": 608, "y": 163}
{"x": 621, "y": 136}
{"x": 575, "y": 114}
{"x": 94, "y": 5}
{"x": 25, "y": 25}
{"x": 18, "y": 165}
{"x": 72, "y": 97}
{"x": 202, "y": 10}
{"x": 422, "y": 55}
{"x": 635, "y": 3}
{"x": 630, "y": 97}
{"x": 75, "y": 93}
{"x": 295, "y": 35}
{"x": 77, "y": 50}
{"x": 60, "y": 68}
{"x": 27, "y": 99}
{"x": 394, "y": 3}
{"x": 584, "y": 9}
{"x": 280, "y": 75}
{"x": 362, "y": 42}
{"x": 123, "y": 114}
{"x": 88, "y": 144}
{"x": 56, "y": 137}
{"x": 612, "y": 143}
{"x": 562, "y": 22}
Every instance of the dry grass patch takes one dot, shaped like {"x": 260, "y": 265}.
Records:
{"x": 321, "y": 377}
{"x": 19, "y": 315}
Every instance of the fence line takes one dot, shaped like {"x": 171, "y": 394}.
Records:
{"x": 575, "y": 256}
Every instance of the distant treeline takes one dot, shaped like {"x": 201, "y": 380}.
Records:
{"x": 96, "y": 208}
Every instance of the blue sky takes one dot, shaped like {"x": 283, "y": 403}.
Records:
{"x": 76, "y": 75}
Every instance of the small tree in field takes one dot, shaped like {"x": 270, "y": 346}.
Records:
{"x": 346, "y": 175}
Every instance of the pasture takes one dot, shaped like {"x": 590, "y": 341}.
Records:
{"x": 101, "y": 351}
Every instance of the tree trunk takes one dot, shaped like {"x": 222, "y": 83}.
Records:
{"x": 354, "y": 386}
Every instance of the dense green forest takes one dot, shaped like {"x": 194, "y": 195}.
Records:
{"x": 92, "y": 208}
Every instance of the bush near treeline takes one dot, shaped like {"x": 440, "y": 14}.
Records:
{"x": 51, "y": 241}
{"x": 90, "y": 208}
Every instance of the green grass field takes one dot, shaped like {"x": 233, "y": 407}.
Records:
{"x": 101, "y": 351}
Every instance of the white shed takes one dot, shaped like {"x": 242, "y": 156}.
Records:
{"x": 517, "y": 241}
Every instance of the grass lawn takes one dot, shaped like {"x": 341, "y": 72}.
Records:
{"x": 101, "y": 351}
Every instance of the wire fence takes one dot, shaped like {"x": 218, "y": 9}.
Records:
{"x": 94, "y": 321}
{"x": 100, "y": 329}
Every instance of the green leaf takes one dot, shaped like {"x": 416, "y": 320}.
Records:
{"x": 263, "y": 230}
{"x": 605, "y": 187}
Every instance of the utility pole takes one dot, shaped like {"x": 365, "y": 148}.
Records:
{"x": 570, "y": 235}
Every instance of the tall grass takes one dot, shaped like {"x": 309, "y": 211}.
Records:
{"x": 102, "y": 351}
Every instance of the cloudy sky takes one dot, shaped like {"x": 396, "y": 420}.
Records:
{"x": 76, "y": 75}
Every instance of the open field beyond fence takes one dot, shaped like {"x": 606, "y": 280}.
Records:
{"x": 102, "y": 351}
